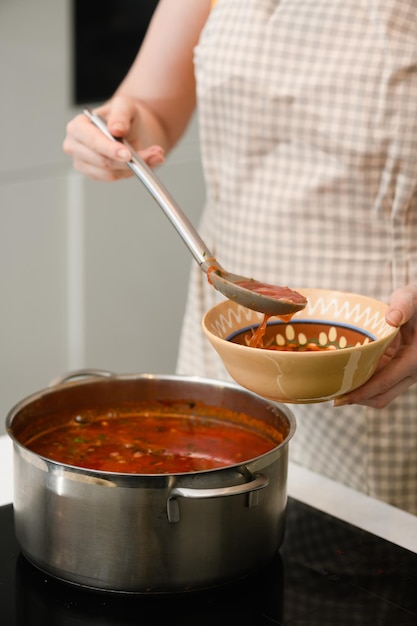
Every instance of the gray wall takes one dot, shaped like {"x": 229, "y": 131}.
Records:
{"x": 91, "y": 274}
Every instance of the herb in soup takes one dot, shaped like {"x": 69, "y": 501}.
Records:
{"x": 155, "y": 438}
{"x": 301, "y": 336}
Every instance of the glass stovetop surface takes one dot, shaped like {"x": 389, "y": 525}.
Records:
{"x": 327, "y": 573}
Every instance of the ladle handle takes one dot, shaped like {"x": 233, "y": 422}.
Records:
{"x": 156, "y": 188}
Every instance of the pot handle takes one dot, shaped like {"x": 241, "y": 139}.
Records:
{"x": 83, "y": 373}
{"x": 257, "y": 482}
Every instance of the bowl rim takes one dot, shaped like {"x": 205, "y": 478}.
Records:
{"x": 390, "y": 335}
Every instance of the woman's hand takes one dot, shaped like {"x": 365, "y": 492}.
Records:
{"x": 397, "y": 369}
{"x": 96, "y": 156}
{"x": 154, "y": 103}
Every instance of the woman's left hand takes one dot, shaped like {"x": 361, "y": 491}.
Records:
{"x": 397, "y": 369}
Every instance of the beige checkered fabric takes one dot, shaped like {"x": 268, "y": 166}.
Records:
{"x": 308, "y": 116}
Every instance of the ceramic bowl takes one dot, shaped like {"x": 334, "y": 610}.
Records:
{"x": 352, "y": 325}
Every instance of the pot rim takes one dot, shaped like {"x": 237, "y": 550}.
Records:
{"x": 86, "y": 377}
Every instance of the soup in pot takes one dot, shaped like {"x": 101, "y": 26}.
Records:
{"x": 154, "y": 437}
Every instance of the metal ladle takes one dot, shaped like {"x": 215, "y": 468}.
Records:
{"x": 249, "y": 294}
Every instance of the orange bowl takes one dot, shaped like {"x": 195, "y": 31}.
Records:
{"x": 351, "y": 325}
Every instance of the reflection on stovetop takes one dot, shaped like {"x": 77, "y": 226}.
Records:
{"x": 327, "y": 573}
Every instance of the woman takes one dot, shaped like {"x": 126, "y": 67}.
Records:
{"x": 308, "y": 126}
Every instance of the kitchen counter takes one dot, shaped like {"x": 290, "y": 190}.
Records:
{"x": 6, "y": 470}
{"x": 326, "y": 495}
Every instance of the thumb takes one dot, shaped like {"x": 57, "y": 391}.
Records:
{"x": 121, "y": 114}
{"x": 402, "y": 304}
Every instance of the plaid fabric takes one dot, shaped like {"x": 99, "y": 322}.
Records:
{"x": 308, "y": 122}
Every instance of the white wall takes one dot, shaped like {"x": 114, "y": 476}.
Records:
{"x": 91, "y": 274}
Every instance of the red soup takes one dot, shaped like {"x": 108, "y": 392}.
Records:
{"x": 155, "y": 438}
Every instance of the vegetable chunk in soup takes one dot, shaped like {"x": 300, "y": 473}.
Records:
{"x": 155, "y": 438}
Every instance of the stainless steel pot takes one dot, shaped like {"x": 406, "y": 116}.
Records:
{"x": 148, "y": 533}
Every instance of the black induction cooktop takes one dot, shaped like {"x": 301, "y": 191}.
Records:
{"x": 327, "y": 573}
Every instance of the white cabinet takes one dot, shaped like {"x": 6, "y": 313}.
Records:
{"x": 91, "y": 274}
{"x": 35, "y": 77}
{"x": 32, "y": 286}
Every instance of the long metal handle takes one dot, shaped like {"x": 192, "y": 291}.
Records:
{"x": 257, "y": 482}
{"x": 156, "y": 188}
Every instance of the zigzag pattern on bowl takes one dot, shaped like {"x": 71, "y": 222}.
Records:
{"x": 323, "y": 308}
{"x": 235, "y": 319}
{"x": 367, "y": 318}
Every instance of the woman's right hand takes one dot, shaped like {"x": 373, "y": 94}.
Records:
{"x": 99, "y": 158}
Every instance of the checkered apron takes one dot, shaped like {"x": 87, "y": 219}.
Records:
{"x": 308, "y": 123}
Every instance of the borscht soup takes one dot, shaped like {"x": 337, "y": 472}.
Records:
{"x": 153, "y": 437}
{"x": 301, "y": 336}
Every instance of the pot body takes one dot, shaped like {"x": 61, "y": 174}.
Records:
{"x": 148, "y": 533}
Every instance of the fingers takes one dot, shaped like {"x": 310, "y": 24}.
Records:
{"x": 402, "y": 305}
{"x": 393, "y": 377}
{"x": 121, "y": 116}
{"x": 84, "y": 141}
{"x": 397, "y": 369}
{"x": 100, "y": 168}
{"x": 97, "y": 156}
{"x": 153, "y": 156}
{"x": 379, "y": 400}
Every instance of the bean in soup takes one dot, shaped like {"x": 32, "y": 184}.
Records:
{"x": 155, "y": 438}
